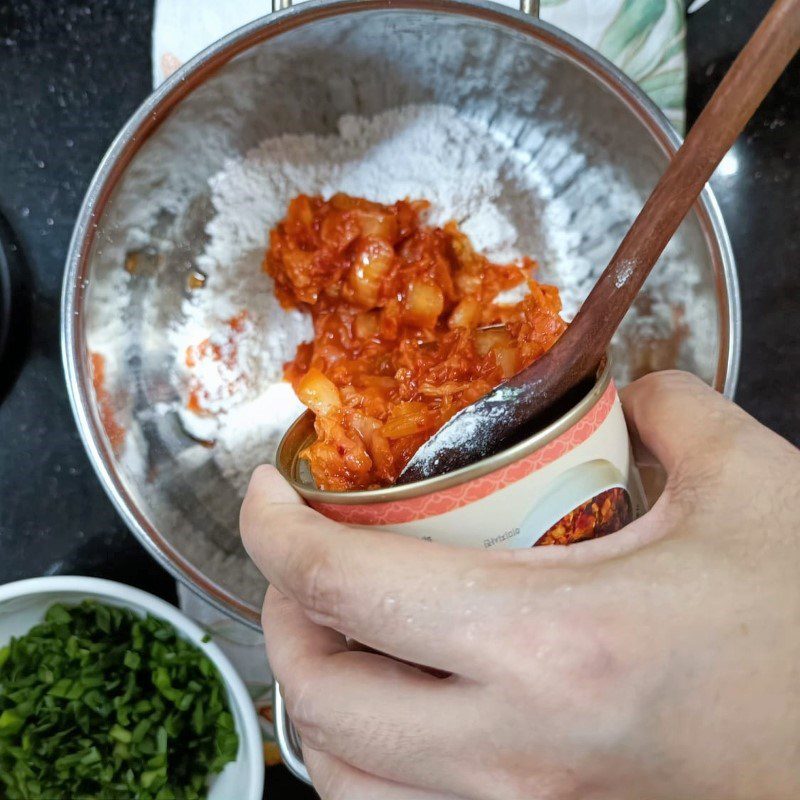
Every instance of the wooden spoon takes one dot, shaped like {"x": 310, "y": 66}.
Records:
{"x": 491, "y": 423}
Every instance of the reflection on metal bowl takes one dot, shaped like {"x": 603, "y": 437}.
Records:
{"x": 299, "y": 71}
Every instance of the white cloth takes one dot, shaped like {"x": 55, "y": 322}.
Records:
{"x": 644, "y": 38}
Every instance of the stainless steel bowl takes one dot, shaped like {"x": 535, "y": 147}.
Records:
{"x": 299, "y": 71}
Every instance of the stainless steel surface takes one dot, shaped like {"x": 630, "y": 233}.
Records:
{"x": 554, "y": 98}
{"x": 279, "y": 5}
{"x": 288, "y": 739}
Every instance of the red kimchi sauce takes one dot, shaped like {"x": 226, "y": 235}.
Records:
{"x": 400, "y": 311}
{"x": 105, "y": 404}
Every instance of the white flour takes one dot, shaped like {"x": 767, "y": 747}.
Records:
{"x": 428, "y": 152}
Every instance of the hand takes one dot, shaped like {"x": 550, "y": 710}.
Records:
{"x": 660, "y": 662}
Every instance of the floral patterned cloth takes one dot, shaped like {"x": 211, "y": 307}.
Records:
{"x": 645, "y": 38}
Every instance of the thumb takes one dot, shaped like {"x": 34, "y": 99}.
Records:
{"x": 680, "y": 420}
{"x": 272, "y": 507}
{"x": 270, "y": 502}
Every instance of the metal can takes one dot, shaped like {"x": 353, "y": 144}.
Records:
{"x": 572, "y": 480}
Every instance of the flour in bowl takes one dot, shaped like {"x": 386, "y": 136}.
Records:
{"x": 504, "y": 200}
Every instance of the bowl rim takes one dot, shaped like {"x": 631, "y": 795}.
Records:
{"x": 158, "y": 106}
{"x": 130, "y": 597}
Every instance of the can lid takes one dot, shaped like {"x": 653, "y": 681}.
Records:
{"x": 299, "y": 436}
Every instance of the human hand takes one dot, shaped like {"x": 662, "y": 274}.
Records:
{"x": 660, "y": 662}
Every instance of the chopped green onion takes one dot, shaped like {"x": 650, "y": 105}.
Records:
{"x": 97, "y": 702}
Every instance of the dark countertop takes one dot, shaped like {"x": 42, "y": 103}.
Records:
{"x": 761, "y": 207}
{"x": 70, "y": 75}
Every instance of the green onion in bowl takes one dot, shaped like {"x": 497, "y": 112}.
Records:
{"x": 98, "y": 700}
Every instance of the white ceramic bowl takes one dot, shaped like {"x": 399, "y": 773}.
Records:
{"x": 23, "y": 604}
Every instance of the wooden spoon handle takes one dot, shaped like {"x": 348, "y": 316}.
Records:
{"x": 479, "y": 429}
{"x": 737, "y": 97}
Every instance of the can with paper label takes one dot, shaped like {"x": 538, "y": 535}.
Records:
{"x": 574, "y": 479}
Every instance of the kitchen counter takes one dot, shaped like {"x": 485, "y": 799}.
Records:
{"x": 70, "y": 75}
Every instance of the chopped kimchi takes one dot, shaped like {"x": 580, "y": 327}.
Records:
{"x": 410, "y": 326}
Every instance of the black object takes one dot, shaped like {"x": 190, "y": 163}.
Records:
{"x": 5, "y": 292}
{"x": 14, "y": 309}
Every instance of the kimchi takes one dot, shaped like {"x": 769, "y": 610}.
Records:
{"x": 411, "y": 325}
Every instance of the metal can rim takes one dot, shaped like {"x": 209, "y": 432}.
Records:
{"x": 297, "y": 437}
